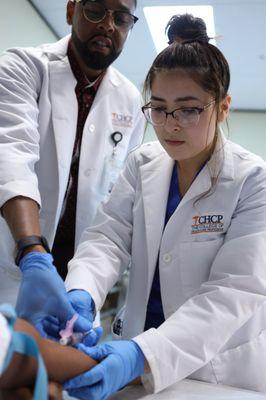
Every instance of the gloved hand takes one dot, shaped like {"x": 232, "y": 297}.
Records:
{"x": 83, "y": 303}
{"x": 42, "y": 293}
{"x": 84, "y": 306}
{"x": 121, "y": 362}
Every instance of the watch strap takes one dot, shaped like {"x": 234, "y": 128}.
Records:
{"x": 28, "y": 241}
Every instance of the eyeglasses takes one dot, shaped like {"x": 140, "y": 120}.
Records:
{"x": 96, "y": 12}
{"x": 187, "y": 117}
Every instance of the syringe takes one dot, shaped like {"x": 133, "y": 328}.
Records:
{"x": 73, "y": 339}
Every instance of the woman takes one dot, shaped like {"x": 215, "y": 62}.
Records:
{"x": 189, "y": 214}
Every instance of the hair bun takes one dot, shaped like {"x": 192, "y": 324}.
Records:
{"x": 186, "y": 27}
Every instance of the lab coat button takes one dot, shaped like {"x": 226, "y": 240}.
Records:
{"x": 87, "y": 172}
{"x": 92, "y": 128}
{"x": 167, "y": 257}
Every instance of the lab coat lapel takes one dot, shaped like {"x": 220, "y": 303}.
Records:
{"x": 200, "y": 185}
{"x": 106, "y": 87}
{"x": 155, "y": 177}
{"x": 219, "y": 166}
{"x": 64, "y": 114}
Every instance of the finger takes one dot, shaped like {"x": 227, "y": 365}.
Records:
{"x": 51, "y": 328}
{"x": 36, "y": 318}
{"x": 39, "y": 327}
{"x": 55, "y": 391}
{"x": 99, "y": 332}
{"x": 53, "y": 319}
{"x": 80, "y": 394}
{"x": 65, "y": 313}
{"x": 94, "y": 392}
{"x": 82, "y": 325}
{"x": 93, "y": 337}
{"x": 97, "y": 352}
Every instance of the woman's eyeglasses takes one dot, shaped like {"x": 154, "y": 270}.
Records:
{"x": 187, "y": 117}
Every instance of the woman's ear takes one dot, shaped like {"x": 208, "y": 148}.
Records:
{"x": 224, "y": 108}
{"x": 70, "y": 11}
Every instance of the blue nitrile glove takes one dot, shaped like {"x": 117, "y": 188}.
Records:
{"x": 42, "y": 293}
{"x": 83, "y": 304}
{"x": 121, "y": 362}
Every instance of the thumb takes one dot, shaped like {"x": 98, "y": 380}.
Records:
{"x": 65, "y": 312}
{"x": 97, "y": 352}
{"x": 93, "y": 337}
{"x": 82, "y": 324}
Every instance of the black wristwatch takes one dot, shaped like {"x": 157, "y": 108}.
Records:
{"x": 28, "y": 241}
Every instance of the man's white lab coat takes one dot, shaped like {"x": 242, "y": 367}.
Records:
{"x": 38, "y": 119}
{"x": 212, "y": 262}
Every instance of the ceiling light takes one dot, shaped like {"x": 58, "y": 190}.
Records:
{"x": 158, "y": 17}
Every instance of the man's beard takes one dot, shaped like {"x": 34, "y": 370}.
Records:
{"x": 93, "y": 59}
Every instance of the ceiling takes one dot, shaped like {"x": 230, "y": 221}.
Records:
{"x": 240, "y": 25}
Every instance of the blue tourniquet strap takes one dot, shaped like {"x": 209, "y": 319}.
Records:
{"x": 24, "y": 344}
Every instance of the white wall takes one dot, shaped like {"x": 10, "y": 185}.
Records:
{"x": 246, "y": 128}
{"x": 20, "y": 25}
{"x": 249, "y": 130}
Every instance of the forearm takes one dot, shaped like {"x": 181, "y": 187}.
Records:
{"x": 62, "y": 362}
{"x": 22, "y": 217}
{"x": 21, "y": 372}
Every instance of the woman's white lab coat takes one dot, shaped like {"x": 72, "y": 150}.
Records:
{"x": 38, "y": 118}
{"x": 212, "y": 260}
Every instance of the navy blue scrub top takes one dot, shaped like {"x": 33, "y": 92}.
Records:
{"x": 155, "y": 315}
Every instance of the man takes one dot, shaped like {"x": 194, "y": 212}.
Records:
{"x": 68, "y": 120}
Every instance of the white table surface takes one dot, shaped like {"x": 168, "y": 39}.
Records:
{"x": 189, "y": 390}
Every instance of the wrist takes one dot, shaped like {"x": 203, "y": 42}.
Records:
{"x": 140, "y": 357}
{"x": 37, "y": 260}
{"x": 37, "y": 248}
{"x": 29, "y": 244}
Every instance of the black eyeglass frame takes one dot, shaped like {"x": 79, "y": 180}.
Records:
{"x": 83, "y": 2}
{"x": 199, "y": 110}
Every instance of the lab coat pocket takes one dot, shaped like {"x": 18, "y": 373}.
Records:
{"x": 117, "y": 325}
{"x": 196, "y": 259}
{"x": 243, "y": 366}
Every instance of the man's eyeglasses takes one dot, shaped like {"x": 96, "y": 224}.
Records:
{"x": 187, "y": 117}
{"x": 96, "y": 12}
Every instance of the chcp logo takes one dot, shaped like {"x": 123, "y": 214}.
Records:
{"x": 207, "y": 223}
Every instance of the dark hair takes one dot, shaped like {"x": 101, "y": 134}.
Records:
{"x": 186, "y": 27}
{"x": 190, "y": 49}
{"x": 203, "y": 61}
